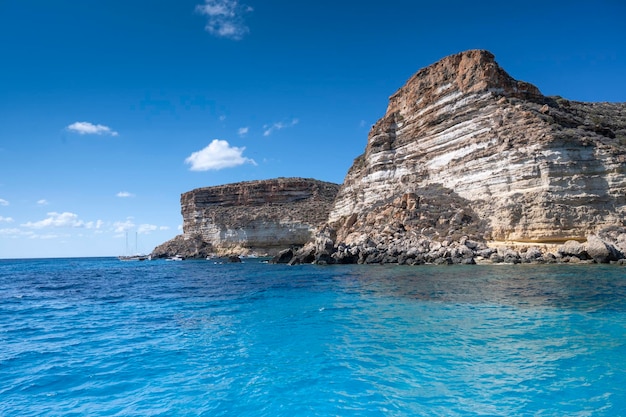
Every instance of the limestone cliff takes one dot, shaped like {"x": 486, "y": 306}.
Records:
{"x": 256, "y": 217}
{"x": 465, "y": 158}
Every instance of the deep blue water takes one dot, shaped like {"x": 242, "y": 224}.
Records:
{"x": 96, "y": 337}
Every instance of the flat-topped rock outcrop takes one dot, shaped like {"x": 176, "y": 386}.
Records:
{"x": 468, "y": 161}
{"x": 250, "y": 218}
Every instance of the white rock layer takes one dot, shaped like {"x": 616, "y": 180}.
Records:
{"x": 534, "y": 169}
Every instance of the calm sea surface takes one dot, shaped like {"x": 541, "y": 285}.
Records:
{"x": 100, "y": 337}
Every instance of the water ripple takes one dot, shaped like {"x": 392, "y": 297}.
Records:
{"x": 100, "y": 337}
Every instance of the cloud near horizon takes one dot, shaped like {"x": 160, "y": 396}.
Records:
{"x": 3, "y": 202}
{"x": 86, "y": 128}
{"x": 65, "y": 219}
{"x": 6, "y": 219}
{"x": 225, "y": 18}
{"x": 15, "y": 232}
{"x": 124, "y": 194}
{"x": 269, "y": 129}
{"x": 125, "y": 226}
{"x": 217, "y": 155}
{"x": 42, "y": 202}
{"x": 145, "y": 229}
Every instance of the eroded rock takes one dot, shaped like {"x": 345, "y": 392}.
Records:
{"x": 251, "y": 218}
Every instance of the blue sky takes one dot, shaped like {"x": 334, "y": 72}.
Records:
{"x": 110, "y": 109}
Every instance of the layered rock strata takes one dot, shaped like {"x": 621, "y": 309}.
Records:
{"x": 468, "y": 162}
{"x": 250, "y": 218}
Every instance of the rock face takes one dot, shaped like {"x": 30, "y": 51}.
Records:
{"x": 256, "y": 217}
{"x": 467, "y": 158}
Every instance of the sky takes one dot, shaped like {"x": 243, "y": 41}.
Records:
{"x": 110, "y": 109}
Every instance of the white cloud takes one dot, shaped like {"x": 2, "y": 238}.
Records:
{"x": 146, "y": 228}
{"x": 14, "y": 232}
{"x": 86, "y": 128}
{"x": 164, "y": 228}
{"x": 125, "y": 226}
{"x": 269, "y": 129}
{"x": 179, "y": 228}
{"x": 6, "y": 219}
{"x": 243, "y": 131}
{"x": 124, "y": 194}
{"x": 94, "y": 225}
{"x": 49, "y": 236}
{"x": 3, "y": 202}
{"x": 218, "y": 155}
{"x": 55, "y": 219}
{"x": 225, "y": 18}
{"x": 43, "y": 202}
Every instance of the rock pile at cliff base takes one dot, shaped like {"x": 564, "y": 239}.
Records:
{"x": 323, "y": 251}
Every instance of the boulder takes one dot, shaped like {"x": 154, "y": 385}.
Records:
{"x": 532, "y": 255}
{"x": 234, "y": 259}
{"x": 283, "y": 257}
{"x": 573, "y": 248}
{"x": 600, "y": 251}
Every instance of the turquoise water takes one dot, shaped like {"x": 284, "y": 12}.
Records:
{"x": 96, "y": 337}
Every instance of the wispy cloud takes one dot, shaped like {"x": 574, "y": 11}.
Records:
{"x": 243, "y": 131}
{"x": 15, "y": 232}
{"x": 3, "y": 202}
{"x": 49, "y": 236}
{"x": 43, "y": 202}
{"x": 124, "y": 194}
{"x": 94, "y": 225}
{"x": 218, "y": 155}
{"x": 145, "y": 229}
{"x": 54, "y": 219}
{"x": 271, "y": 128}
{"x": 51, "y": 227}
{"x": 225, "y": 18}
{"x": 86, "y": 128}
{"x": 125, "y": 226}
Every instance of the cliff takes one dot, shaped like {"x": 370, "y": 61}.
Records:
{"x": 256, "y": 217}
{"x": 467, "y": 161}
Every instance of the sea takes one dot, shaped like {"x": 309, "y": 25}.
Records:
{"x": 101, "y": 337}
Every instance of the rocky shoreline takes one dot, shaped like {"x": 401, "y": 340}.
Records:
{"x": 463, "y": 252}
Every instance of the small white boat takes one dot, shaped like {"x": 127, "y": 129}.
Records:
{"x": 134, "y": 257}
{"x": 175, "y": 258}
{"x": 137, "y": 256}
